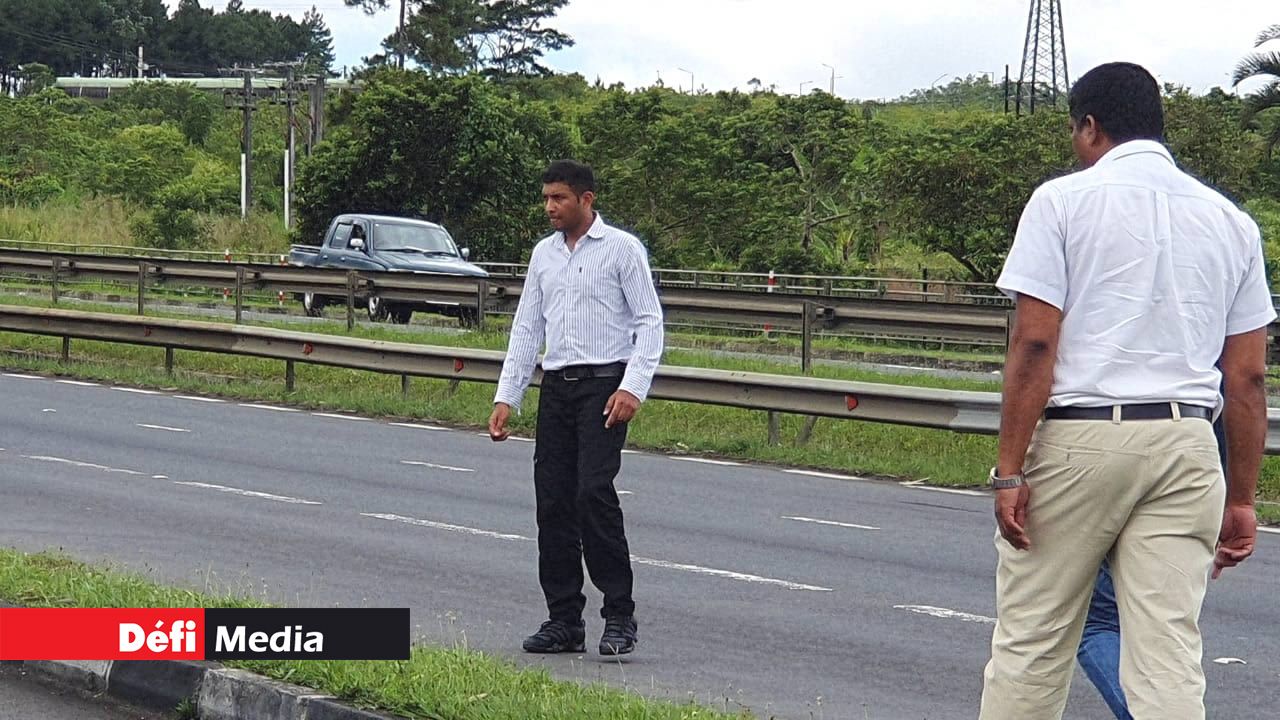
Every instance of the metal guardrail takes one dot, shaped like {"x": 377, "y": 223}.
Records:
{"x": 955, "y": 410}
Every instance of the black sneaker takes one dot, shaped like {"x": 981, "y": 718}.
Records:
{"x": 619, "y": 635}
{"x": 557, "y": 636}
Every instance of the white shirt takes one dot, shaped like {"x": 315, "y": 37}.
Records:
{"x": 593, "y": 305}
{"x": 1151, "y": 270}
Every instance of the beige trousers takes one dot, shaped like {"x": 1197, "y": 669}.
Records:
{"x": 1150, "y": 495}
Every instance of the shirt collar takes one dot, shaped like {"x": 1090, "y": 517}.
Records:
{"x": 595, "y": 232}
{"x": 1136, "y": 147}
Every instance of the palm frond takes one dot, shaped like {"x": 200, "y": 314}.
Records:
{"x": 1256, "y": 102}
{"x": 1266, "y": 36}
{"x": 1256, "y": 64}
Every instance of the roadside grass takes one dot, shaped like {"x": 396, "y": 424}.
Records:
{"x": 436, "y": 683}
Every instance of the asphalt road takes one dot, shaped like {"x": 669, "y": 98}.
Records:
{"x": 794, "y": 595}
{"x": 22, "y": 697}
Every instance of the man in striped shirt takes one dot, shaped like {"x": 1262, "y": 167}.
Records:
{"x": 589, "y": 298}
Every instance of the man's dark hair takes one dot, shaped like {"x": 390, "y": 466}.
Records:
{"x": 1123, "y": 98}
{"x": 576, "y": 175}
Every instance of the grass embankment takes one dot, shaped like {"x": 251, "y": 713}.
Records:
{"x": 435, "y": 683}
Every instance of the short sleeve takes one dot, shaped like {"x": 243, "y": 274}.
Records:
{"x": 1037, "y": 262}
{"x": 1252, "y": 307}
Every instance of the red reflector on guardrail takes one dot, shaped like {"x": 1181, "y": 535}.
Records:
{"x": 851, "y": 402}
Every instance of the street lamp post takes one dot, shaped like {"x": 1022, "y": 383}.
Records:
{"x": 691, "y": 86}
{"x": 806, "y": 82}
{"x": 832, "y": 88}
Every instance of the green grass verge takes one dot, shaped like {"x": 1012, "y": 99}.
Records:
{"x": 938, "y": 456}
{"x": 435, "y": 683}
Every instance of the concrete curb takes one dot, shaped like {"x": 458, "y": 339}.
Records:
{"x": 217, "y": 692}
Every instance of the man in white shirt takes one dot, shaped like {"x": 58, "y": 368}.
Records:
{"x": 589, "y": 297}
{"x": 1131, "y": 280}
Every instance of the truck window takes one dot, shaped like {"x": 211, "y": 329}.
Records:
{"x": 341, "y": 236}
{"x": 396, "y": 237}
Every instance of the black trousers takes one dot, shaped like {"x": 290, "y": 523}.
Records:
{"x": 574, "y": 464}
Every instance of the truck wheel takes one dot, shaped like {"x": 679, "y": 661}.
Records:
{"x": 401, "y": 315}
{"x": 468, "y": 317}
{"x": 312, "y": 305}
{"x": 377, "y": 309}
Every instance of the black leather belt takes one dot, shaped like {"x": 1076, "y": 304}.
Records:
{"x": 1142, "y": 411}
{"x": 571, "y": 373}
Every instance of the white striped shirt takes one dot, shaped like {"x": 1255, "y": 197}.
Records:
{"x": 593, "y": 306}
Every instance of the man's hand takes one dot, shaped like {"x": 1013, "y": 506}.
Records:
{"x": 622, "y": 406}
{"x": 498, "y": 422}
{"x": 1235, "y": 541}
{"x": 1011, "y": 515}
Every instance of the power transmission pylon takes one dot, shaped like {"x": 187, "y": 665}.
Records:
{"x": 1044, "y": 57}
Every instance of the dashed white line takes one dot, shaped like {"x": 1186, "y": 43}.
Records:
{"x": 159, "y": 477}
{"x": 256, "y": 406}
{"x": 247, "y": 493}
{"x": 697, "y": 569}
{"x": 816, "y": 473}
{"x": 835, "y": 523}
{"x": 1274, "y": 531}
{"x": 625, "y": 492}
{"x": 744, "y": 577}
{"x": 437, "y": 467}
{"x": 336, "y": 416}
{"x": 518, "y": 439}
{"x": 139, "y": 391}
{"x": 953, "y": 491}
{"x": 24, "y": 377}
{"x": 80, "y": 383}
{"x": 197, "y": 398}
{"x": 632, "y": 452}
{"x": 707, "y": 461}
{"x": 78, "y": 463}
{"x": 446, "y": 526}
{"x": 162, "y": 427}
{"x": 52, "y": 410}
{"x": 946, "y": 613}
{"x": 416, "y": 426}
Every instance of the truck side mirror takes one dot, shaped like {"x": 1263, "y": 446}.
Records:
{"x": 357, "y": 244}
{"x": 466, "y": 253}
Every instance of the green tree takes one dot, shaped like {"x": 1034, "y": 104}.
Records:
{"x": 318, "y": 58}
{"x": 1260, "y": 106}
{"x": 1207, "y": 139}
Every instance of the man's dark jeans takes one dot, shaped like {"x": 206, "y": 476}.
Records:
{"x": 575, "y": 462}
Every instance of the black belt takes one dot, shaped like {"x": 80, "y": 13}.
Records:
{"x": 583, "y": 372}
{"x": 1142, "y": 411}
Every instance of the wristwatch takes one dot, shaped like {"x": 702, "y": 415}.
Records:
{"x": 1007, "y": 482}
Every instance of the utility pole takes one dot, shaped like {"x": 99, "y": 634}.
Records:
{"x": 142, "y": 67}
{"x": 1044, "y": 57}
{"x": 245, "y": 101}
{"x": 400, "y": 36}
{"x": 290, "y": 99}
{"x": 317, "y": 114}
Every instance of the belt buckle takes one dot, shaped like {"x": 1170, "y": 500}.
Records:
{"x": 569, "y": 376}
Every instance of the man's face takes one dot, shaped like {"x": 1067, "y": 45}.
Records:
{"x": 564, "y": 207}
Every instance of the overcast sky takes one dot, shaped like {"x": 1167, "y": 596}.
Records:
{"x": 879, "y": 48}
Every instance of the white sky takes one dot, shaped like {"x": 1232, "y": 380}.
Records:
{"x": 880, "y": 48}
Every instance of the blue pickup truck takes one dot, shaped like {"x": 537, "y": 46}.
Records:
{"x": 381, "y": 243}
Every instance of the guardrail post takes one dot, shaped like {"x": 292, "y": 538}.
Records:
{"x": 66, "y": 349}
{"x": 289, "y": 376}
{"x": 168, "y": 361}
{"x": 142, "y": 287}
{"x": 239, "y": 291}
{"x": 404, "y": 386}
{"x": 482, "y": 297}
{"x": 775, "y": 428}
{"x": 57, "y": 273}
{"x": 807, "y": 310}
{"x": 351, "y": 300}
{"x": 1008, "y": 330}
{"x": 827, "y": 288}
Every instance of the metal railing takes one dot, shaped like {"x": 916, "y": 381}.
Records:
{"x": 955, "y": 410}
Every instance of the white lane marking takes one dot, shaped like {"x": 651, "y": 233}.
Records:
{"x": 815, "y": 473}
{"x": 946, "y": 613}
{"x": 1229, "y": 661}
{"x": 625, "y": 492}
{"x": 517, "y": 439}
{"x": 437, "y": 467}
{"x": 953, "y": 491}
{"x": 49, "y": 410}
{"x": 1275, "y": 531}
{"x": 159, "y": 477}
{"x": 197, "y": 398}
{"x": 24, "y": 377}
{"x": 248, "y": 493}
{"x": 256, "y": 406}
{"x": 341, "y": 417}
{"x": 700, "y": 570}
{"x": 816, "y": 521}
{"x": 446, "y": 526}
{"x": 632, "y": 452}
{"x": 416, "y": 426}
{"x": 162, "y": 427}
{"x": 707, "y": 461}
{"x": 139, "y": 391}
{"x": 80, "y": 383}
{"x": 77, "y": 463}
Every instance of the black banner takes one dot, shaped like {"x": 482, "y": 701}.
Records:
{"x": 306, "y": 633}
